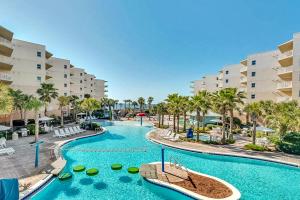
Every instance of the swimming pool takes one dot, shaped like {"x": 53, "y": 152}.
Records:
{"x": 127, "y": 145}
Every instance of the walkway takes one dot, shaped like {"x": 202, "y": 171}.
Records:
{"x": 231, "y": 149}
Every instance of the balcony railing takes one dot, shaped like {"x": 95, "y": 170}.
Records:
{"x": 285, "y": 55}
{"x": 243, "y": 79}
{"x": 285, "y": 85}
{"x": 6, "y": 42}
{"x": 283, "y": 99}
{"x": 5, "y": 77}
{"x": 244, "y": 70}
{"x": 284, "y": 70}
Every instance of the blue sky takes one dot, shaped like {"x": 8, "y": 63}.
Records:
{"x": 152, "y": 47}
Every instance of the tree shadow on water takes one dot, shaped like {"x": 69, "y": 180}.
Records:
{"x": 86, "y": 181}
{"x": 100, "y": 186}
{"x": 73, "y": 191}
{"x": 125, "y": 179}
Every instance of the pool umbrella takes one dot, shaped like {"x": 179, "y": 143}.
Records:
{"x": 141, "y": 115}
{"x": 264, "y": 129}
{"x": 4, "y": 128}
{"x": 45, "y": 119}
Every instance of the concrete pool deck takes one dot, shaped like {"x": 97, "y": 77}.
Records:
{"x": 235, "y": 149}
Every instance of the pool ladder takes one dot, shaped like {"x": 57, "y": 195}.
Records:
{"x": 177, "y": 164}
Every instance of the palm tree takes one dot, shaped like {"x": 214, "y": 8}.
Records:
{"x": 63, "y": 101}
{"x": 195, "y": 104}
{"x": 149, "y": 101}
{"x": 221, "y": 101}
{"x": 184, "y": 107}
{"x": 141, "y": 102}
{"x": 159, "y": 111}
{"x": 129, "y": 101}
{"x": 17, "y": 97}
{"x": 110, "y": 104}
{"x": 236, "y": 100}
{"x": 115, "y": 106}
{"x": 173, "y": 103}
{"x": 134, "y": 104}
{"x": 35, "y": 105}
{"x": 254, "y": 111}
{"x": 47, "y": 92}
{"x": 26, "y": 106}
{"x": 6, "y": 100}
{"x": 89, "y": 105}
{"x": 267, "y": 109}
{"x": 74, "y": 101}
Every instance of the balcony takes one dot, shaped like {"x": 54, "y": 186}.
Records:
{"x": 105, "y": 90}
{"x": 243, "y": 80}
{"x": 285, "y": 73}
{"x": 244, "y": 62}
{"x": 7, "y": 34}
{"x": 286, "y": 59}
{"x": 48, "y": 66}
{"x": 5, "y": 78}
{"x": 243, "y": 89}
{"x": 6, "y": 47}
{"x": 5, "y": 63}
{"x": 287, "y": 46}
{"x": 244, "y": 70}
{"x": 48, "y": 55}
{"x": 285, "y": 86}
{"x": 47, "y": 77}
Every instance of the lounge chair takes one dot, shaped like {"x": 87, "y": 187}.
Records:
{"x": 2, "y": 142}
{"x": 165, "y": 133}
{"x": 79, "y": 129}
{"x": 57, "y": 134}
{"x": 8, "y": 151}
{"x": 62, "y": 133}
{"x": 67, "y": 131}
{"x": 170, "y": 136}
{"x": 72, "y": 131}
{"x": 176, "y": 138}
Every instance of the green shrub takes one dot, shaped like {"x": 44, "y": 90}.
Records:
{"x": 254, "y": 147}
{"x": 290, "y": 143}
{"x": 230, "y": 141}
{"x": 31, "y": 129}
{"x": 94, "y": 126}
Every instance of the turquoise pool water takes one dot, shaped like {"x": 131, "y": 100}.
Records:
{"x": 127, "y": 145}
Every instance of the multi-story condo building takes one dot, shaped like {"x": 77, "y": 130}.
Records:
{"x": 289, "y": 70}
{"x": 259, "y": 76}
{"x": 272, "y": 75}
{"x": 209, "y": 83}
{"x": 25, "y": 65}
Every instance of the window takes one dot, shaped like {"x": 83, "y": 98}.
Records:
{"x": 80, "y": 96}
{"x": 91, "y": 79}
{"x": 226, "y": 81}
{"x": 39, "y": 54}
{"x": 253, "y": 62}
{"x": 39, "y": 66}
{"x": 65, "y": 75}
{"x": 253, "y": 74}
{"x": 66, "y": 94}
{"x": 91, "y": 90}
{"x": 80, "y": 89}
{"x": 91, "y": 85}
{"x": 217, "y": 78}
{"x": 252, "y": 96}
{"x": 253, "y": 85}
{"x": 66, "y": 85}
{"x": 80, "y": 81}
{"x": 80, "y": 74}
{"x": 226, "y": 72}
{"x": 217, "y": 85}
{"x": 38, "y": 78}
{"x": 65, "y": 66}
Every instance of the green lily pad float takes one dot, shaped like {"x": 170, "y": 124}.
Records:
{"x": 116, "y": 166}
{"x": 92, "y": 171}
{"x": 133, "y": 170}
{"x": 64, "y": 176}
{"x": 78, "y": 168}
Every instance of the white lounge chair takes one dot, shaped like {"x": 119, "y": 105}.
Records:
{"x": 2, "y": 142}
{"x": 72, "y": 131}
{"x": 8, "y": 151}
{"x": 172, "y": 135}
{"x": 176, "y": 138}
{"x": 79, "y": 129}
{"x": 67, "y": 132}
{"x": 165, "y": 133}
{"x": 57, "y": 134}
{"x": 62, "y": 133}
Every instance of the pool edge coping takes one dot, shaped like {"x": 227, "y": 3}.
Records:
{"x": 236, "y": 195}
{"x": 220, "y": 153}
{"x": 42, "y": 183}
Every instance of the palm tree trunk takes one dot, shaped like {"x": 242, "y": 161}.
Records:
{"x": 36, "y": 132}
{"x": 174, "y": 125}
{"x": 45, "y": 111}
{"x": 61, "y": 117}
{"x": 11, "y": 119}
{"x": 25, "y": 118}
{"x": 247, "y": 118}
{"x": 203, "y": 123}
{"x": 158, "y": 120}
{"x": 184, "y": 121}
{"x": 162, "y": 119}
{"x": 231, "y": 124}
{"x": 198, "y": 125}
{"x": 178, "y": 117}
{"x": 223, "y": 129}
{"x": 254, "y": 132}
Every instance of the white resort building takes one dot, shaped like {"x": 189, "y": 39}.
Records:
{"x": 272, "y": 75}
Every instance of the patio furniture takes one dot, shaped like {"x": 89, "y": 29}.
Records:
{"x": 176, "y": 138}
{"x": 81, "y": 130}
{"x": 15, "y": 136}
{"x": 61, "y": 132}
{"x": 72, "y": 131}
{"x": 67, "y": 132}
{"x": 2, "y": 142}
{"x": 57, "y": 134}
{"x": 24, "y": 132}
{"x": 8, "y": 151}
